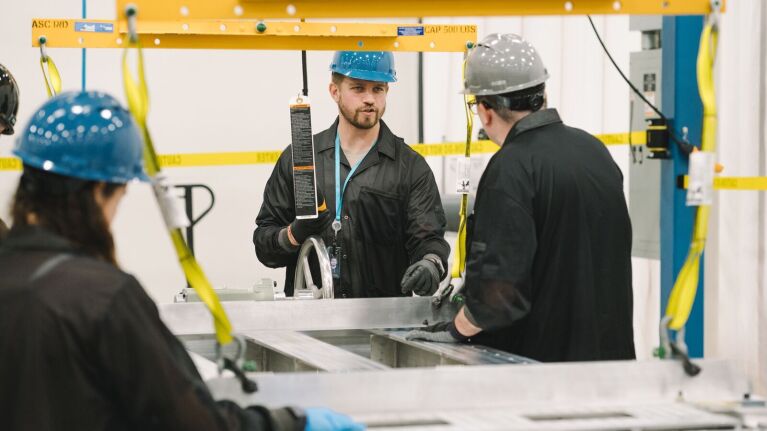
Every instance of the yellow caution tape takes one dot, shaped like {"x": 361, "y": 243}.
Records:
{"x": 442, "y": 149}
{"x": 685, "y": 288}
{"x": 138, "y": 102}
{"x": 737, "y": 183}
{"x": 218, "y": 159}
{"x": 10, "y": 164}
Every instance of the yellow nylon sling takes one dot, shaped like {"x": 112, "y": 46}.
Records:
{"x": 685, "y": 288}
{"x": 459, "y": 262}
{"x": 138, "y": 103}
{"x": 51, "y": 75}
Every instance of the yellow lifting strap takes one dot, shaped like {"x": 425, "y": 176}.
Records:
{"x": 459, "y": 262}
{"x": 138, "y": 103}
{"x": 51, "y": 75}
{"x": 686, "y": 285}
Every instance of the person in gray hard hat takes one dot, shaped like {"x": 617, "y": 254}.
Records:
{"x": 548, "y": 271}
{"x": 9, "y": 108}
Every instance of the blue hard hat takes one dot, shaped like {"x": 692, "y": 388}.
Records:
{"x": 86, "y": 135}
{"x": 367, "y": 65}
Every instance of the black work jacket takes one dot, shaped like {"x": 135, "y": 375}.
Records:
{"x": 82, "y": 347}
{"x": 391, "y": 216}
{"x": 549, "y": 264}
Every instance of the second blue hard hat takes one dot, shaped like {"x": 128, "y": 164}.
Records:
{"x": 86, "y": 135}
{"x": 366, "y": 65}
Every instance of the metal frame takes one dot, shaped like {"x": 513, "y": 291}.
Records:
{"x": 576, "y": 396}
{"x": 261, "y": 9}
{"x": 307, "y": 315}
{"x": 245, "y": 34}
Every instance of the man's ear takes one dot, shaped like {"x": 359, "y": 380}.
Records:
{"x": 334, "y": 92}
{"x": 486, "y": 115}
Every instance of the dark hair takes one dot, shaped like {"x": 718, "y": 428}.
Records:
{"x": 67, "y": 207}
{"x": 529, "y": 99}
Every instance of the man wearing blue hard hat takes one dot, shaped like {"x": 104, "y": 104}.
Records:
{"x": 9, "y": 107}
{"x": 384, "y": 224}
{"x": 83, "y": 345}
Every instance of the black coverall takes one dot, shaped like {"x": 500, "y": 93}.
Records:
{"x": 392, "y": 215}
{"x": 82, "y": 347}
{"x": 549, "y": 264}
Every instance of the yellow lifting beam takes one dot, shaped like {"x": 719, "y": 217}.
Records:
{"x": 252, "y": 34}
{"x": 262, "y": 9}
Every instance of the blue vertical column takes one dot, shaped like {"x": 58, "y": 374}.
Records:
{"x": 680, "y": 38}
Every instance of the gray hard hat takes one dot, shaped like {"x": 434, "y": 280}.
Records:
{"x": 502, "y": 63}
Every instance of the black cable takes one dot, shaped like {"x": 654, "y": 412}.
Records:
{"x": 686, "y": 147}
{"x": 636, "y": 90}
{"x": 305, "y": 90}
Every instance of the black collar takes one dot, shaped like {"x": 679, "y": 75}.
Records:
{"x": 537, "y": 119}
{"x": 384, "y": 145}
{"x": 36, "y": 238}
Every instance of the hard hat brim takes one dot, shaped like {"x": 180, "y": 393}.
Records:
{"x": 370, "y": 76}
{"x": 83, "y": 174}
{"x": 510, "y": 89}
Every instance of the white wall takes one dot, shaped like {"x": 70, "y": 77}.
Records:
{"x": 736, "y": 266}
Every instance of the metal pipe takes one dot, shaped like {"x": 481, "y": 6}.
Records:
{"x": 303, "y": 277}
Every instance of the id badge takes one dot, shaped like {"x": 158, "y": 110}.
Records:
{"x": 335, "y": 264}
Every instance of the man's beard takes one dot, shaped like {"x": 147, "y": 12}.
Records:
{"x": 358, "y": 122}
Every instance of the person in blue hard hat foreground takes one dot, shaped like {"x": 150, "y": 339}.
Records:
{"x": 9, "y": 107}
{"x": 82, "y": 344}
{"x": 384, "y": 224}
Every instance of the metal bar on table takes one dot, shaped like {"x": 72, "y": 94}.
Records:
{"x": 307, "y": 315}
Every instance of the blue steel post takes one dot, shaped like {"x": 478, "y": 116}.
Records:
{"x": 681, "y": 103}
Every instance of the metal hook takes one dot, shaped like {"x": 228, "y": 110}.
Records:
{"x": 713, "y": 17}
{"x": 239, "y": 355}
{"x": 130, "y": 12}
{"x": 43, "y": 52}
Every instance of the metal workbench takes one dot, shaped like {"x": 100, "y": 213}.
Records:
{"x": 351, "y": 355}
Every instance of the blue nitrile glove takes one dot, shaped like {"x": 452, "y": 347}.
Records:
{"x": 442, "y": 332}
{"x": 322, "y": 419}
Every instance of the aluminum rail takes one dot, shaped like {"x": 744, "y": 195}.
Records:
{"x": 306, "y": 315}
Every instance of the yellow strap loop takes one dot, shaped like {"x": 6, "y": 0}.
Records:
{"x": 685, "y": 288}
{"x": 138, "y": 103}
{"x": 51, "y": 75}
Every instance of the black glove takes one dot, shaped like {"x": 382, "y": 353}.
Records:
{"x": 423, "y": 276}
{"x": 442, "y": 332}
{"x": 304, "y": 228}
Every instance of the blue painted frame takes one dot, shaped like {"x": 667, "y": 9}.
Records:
{"x": 681, "y": 103}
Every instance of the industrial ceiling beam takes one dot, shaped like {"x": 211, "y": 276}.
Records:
{"x": 262, "y": 9}
{"x": 252, "y": 34}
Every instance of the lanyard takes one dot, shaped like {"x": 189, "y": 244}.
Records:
{"x": 339, "y": 190}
